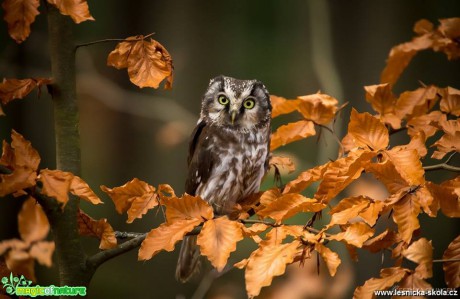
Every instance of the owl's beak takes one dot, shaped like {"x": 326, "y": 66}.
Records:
{"x": 233, "y": 116}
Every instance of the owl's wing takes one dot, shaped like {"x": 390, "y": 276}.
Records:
{"x": 200, "y": 158}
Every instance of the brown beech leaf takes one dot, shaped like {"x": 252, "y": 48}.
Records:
{"x": 356, "y": 234}
{"x": 277, "y": 234}
{"x": 81, "y": 189}
{"x": 319, "y": 108}
{"x": 405, "y": 215}
{"x": 388, "y": 277}
{"x": 292, "y": 132}
{"x": 43, "y": 252}
{"x": 445, "y": 197}
{"x": 135, "y": 197}
{"x": 347, "y": 209}
{"x": 100, "y": 229}
{"x": 446, "y": 144}
{"x": 56, "y": 184}
{"x": 413, "y": 282}
{"x": 32, "y": 222}
{"x": 267, "y": 262}
{"x": 254, "y": 229}
{"x": 11, "y": 89}
{"x": 372, "y": 212}
{"x": 452, "y": 269}
{"x": 421, "y": 252}
{"x": 401, "y": 55}
{"x": 15, "y": 244}
{"x": 23, "y": 160}
{"x": 218, "y": 239}
{"x": 416, "y": 102}
{"x": 450, "y": 102}
{"x": 305, "y": 179}
{"x": 187, "y": 207}
{"x": 78, "y": 10}
{"x": 269, "y": 196}
{"x": 331, "y": 258}
{"x": 19, "y": 15}
{"x": 426, "y": 123}
{"x": 383, "y": 102}
{"x": 281, "y": 105}
{"x": 367, "y": 131}
{"x": 147, "y": 61}
{"x": 386, "y": 173}
{"x": 20, "y": 262}
{"x": 341, "y": 173}
{"x": 407, "y": 163}
{"x": 288, "y": 205}
{"x": 165, "y": 237}
{"x": 283, "y": 163}
{"x": 382, "y": 241}
{"x": 417, "y": 142}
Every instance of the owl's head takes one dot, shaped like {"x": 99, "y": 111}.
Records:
{"x": 236, "y": 104}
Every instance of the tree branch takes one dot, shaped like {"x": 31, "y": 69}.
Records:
{"x": 443, "y": 166}
{"x": 101, "y": 257}
{"x": 113, "y": 40}
{"x": 447, "y": 261}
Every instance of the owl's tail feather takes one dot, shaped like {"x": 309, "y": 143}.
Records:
{"x": 189, "y": 259}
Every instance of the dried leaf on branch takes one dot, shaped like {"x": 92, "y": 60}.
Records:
{"x": 147, "y": 61}
{"x": 78, "y": 10}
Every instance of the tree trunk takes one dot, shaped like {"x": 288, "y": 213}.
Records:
{"x": 70, "y": 255}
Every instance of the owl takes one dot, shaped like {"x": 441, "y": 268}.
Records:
{"x": 228, "y": 152}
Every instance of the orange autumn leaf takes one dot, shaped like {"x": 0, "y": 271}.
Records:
{"x": 356, "y": 234}
{"x": 291, "y": 132}
{"x": 452, "y": 269}
{"x": 305, "y": 179}
{"x": 42, "y": 252}
{"x": 414, "y": 282}
{"x": 341, "y": 173}
{"x": 100, "y": 229}
{"x": 187, "y": 207}
{"x": 23, "y": 160}
{"x": 266, "y": 263}
{"x": 288, "y": 205}
{"x": 281, "y": 105}
{"x": 450, "y": 102}
{"x": 446, "y": 144}
{"x": 56, "y": 184}
{"x": 408, "y": 165}
{"x": 19, "y": 15}
{"x": 405, "y": 215}
{"x": 135, "y": 197}
{"x": 383, "y": 102}
{"x": 348, "y": 208}
{"x": 331, "y": 258}
{"x": 32, "y": 222}
{"x": 218, "y": 239}
{"x": 147, "y": 61}
{"x": 421, "y": 252}
{"x": 20, "y": 262}
{"x": 165, "y": 237}
{"x": 416, "y": 102}
{"x": 283, "y": 163}
{"x": 11, "y": 89}
{"x": 371, "y": 214}
{"x": 382, "y": 241}
{"x": 367, "y": 131}
{"x": 319, "y": 108}
{"x": 277, "y": 234}
{"x": 426, "y": 123}
{"x": 445, "y": 198}
{"x": 81, "y": 189}
{"x": 387, "y": 174}
{"x": 78, "y": 10}
{"x": 401, "y": 55}
{"x": 388, "y": 277}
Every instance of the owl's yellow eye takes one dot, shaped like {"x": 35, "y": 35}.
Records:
{"x": 223, "y": 100}
{"x": 249, "y": 104}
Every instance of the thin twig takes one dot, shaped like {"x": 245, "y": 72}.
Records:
{"x": 447, "y": 260}
{"x": 251, "y": 221}
{"x": 336, "y": 138}
{"x": 443, "y": 165}
{"x": 101, "y": 257}
{"x": 113, "y": 40}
